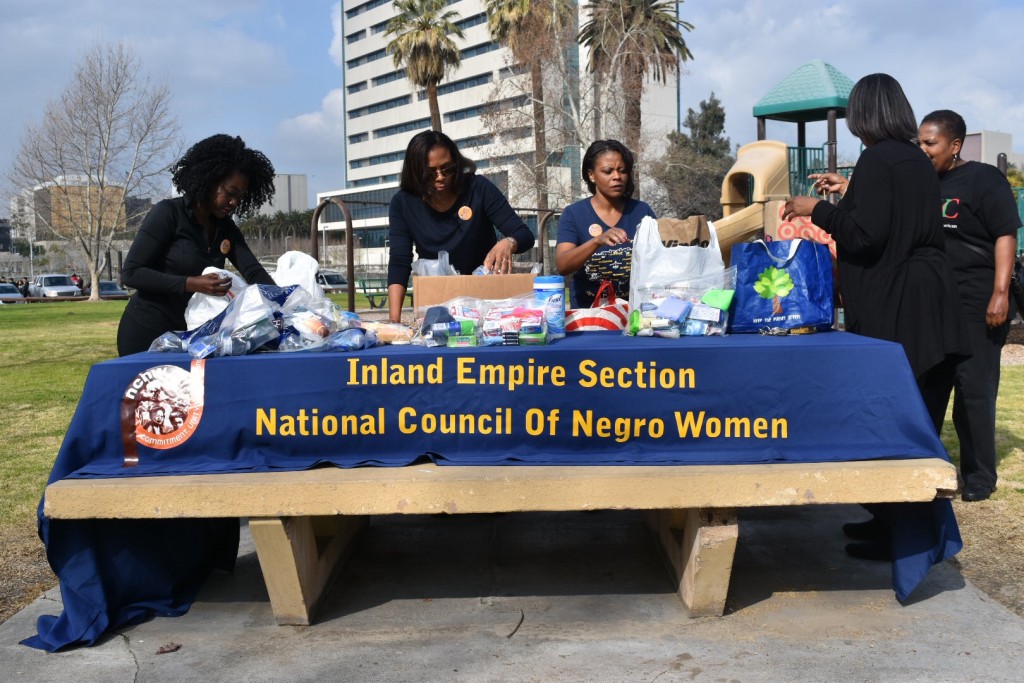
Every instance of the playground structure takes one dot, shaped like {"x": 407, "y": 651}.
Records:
{"x": 754, "y": 192}
{"x": 767, "y": 172}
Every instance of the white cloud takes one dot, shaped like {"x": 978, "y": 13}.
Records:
{"x": 945, "y": 55}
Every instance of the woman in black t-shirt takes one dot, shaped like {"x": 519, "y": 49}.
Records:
{"x": 980, "y": 219}
{"x": 181, "y": 237}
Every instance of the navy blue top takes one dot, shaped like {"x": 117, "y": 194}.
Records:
{"x": 465, "y": 231}
{"x": 607, "y": 263}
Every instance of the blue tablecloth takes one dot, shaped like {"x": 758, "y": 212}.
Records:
{"x": 587, "y": 399}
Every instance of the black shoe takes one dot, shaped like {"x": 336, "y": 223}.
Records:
{"x": 870, "y": 550}
{"x": 870, "y": 530}
{"x": 975, "y": 492}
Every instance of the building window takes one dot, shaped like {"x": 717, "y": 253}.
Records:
{"x": 358, "y": 137}
{"x": 379, "y": 28}
{"x": 377, "y": 160}
{"x": 376, "y": 180}
{"x": 357, "y": 87}
{"x": 353, "y": 37}
{"x": 367, "y": 58}
{"x": 365, "y": 7}
{"x": 474, "y": 20}
{"x": 478, "y": 110}
{"x": 475, "y": 141}
{"x": 380, "y": 106}
{"x": 387, "y": 78}
{"x": 482, "y": 48}
{"x": 456, "y": 86}
{"x": 401, "y": 128}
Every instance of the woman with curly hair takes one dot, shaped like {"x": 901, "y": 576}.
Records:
{"x": 180, "y": 237}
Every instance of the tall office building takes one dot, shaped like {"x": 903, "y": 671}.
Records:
{"x": 383, "y": 111}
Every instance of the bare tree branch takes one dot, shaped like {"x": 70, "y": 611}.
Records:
{"x": 108, "y": 136}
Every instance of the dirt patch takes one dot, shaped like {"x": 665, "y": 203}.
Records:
{"x": 24, "y": 572}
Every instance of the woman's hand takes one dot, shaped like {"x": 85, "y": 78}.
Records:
{"x": 998, "y": 309}
{"x": 499, "y": 258}
{"x": 827, "y": 183}
{"x": 211, "y": 283}
{"x": 799, "y": 206}
{"x": 611, "y": 237}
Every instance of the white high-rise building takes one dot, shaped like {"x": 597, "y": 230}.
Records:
{"x": 383, "y": 112}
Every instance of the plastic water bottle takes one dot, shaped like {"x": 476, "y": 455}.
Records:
{"x": 551, "y": 289}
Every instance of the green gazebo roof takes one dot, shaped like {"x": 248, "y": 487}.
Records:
{"x": 807, "y": 94}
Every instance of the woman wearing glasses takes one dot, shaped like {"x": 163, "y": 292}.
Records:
{"x": 180, "y": 237}
{"x": 443, "y": 205}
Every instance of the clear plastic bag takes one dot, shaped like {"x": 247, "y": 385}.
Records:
{"x": 696, "y": 307}
{"x": 438, "y": 266}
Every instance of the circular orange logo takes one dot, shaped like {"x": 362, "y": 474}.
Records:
{"x": 165, "y": 403}
{"x": 465, "y": 213}
{"x": 595, "y": 230}
{"x": 225, "y": 247}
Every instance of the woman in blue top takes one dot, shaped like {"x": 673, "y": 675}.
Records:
{"x": 443, "y": 205}
{"x": 595, "y": 234}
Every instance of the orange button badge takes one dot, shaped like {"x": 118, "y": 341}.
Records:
{"x": 595, "y": 230}
{"x": 465, "y": 213}
{"x": 225, "y": 247}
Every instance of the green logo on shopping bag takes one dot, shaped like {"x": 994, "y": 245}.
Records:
{"x": 774, "y": 284}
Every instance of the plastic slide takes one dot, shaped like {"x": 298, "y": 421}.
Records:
{"x": 762, "y": 171}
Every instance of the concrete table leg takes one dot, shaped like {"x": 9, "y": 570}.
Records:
{"x": 699, "y": 545}
{"x": 298, "y": 557}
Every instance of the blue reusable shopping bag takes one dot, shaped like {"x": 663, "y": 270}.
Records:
{"x": 782, "y": 287}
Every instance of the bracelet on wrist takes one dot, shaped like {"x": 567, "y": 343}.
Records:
{"x": 513, "y": 243}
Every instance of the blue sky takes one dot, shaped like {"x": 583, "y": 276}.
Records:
{"x": 268, "y": 69}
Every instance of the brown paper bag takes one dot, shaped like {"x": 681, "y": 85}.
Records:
{"x": 684, "y": 232}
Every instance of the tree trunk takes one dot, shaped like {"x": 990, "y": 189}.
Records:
{"x": 435, "y": 110}
{"x": 633, "y": 90}
{"x": 540, "y": 141}
{"x": 94, "y": 280}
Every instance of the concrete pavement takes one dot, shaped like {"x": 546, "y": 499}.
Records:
{"x": 561, "y": 597}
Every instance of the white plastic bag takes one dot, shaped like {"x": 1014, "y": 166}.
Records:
{"x": 298, "y": 268}
{"x": 203, "y": 307}
{"x": 438, "y": 266}
{"x": 655, "y": 265}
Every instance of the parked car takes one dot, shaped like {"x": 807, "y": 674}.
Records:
{"x": 108, "y": 290}
{"x": 53, "y": 285}
{"x": 9, "y": 294}
{"x": 332, "y": 282}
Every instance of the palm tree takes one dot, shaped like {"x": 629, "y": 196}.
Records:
{"x": 634, "y": 38}
{"x": 530, "y": 28}
{"x": 422, "y": 41}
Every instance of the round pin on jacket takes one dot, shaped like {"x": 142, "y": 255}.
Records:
{"x": 465, "y": 213}
{"x": 225, "y": 247}
{"x": 595, "y": 230}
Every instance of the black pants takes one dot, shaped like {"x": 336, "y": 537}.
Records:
{"x": 133, "y": 337}
{"x": 974, "y": 382}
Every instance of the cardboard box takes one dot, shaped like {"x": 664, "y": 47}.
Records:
{"x": 429, "y": 290}
{"x": 776, "y": 228}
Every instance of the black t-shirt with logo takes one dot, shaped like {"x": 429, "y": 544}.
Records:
{"x": 978, "y": 208}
